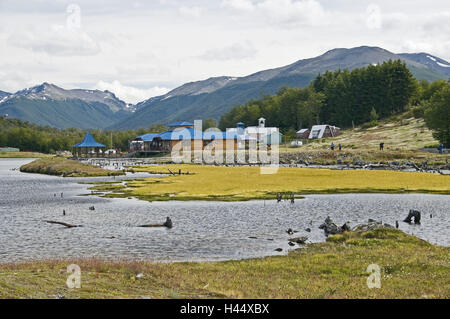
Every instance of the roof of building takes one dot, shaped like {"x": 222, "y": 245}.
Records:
{"x": 176, "y": 124}
{"x": 88, "y": 141}
{"x": 321, "y": 129}
{"x": 192, "y": 134}
{"x": 148, "y": 137}
{"x": 303, "y": 130}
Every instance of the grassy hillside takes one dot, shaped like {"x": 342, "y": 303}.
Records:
{"x": 407, "y": 134}
{"x": 410, "y": 268}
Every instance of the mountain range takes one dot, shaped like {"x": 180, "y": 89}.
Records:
{"x": 47, "y": 104}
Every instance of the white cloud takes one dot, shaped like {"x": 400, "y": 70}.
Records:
{"x": 13, "y": 81}
{"x": 236, "y": 51}
{"x": 238, "y": 4}
{"x": 282, "y": 12}
{"x": 374, "y": 18}
{"x": 190, "y": 12}
{"x": 58, "y": 40}
{"x": 152, "y": 44}
{"x": 130, "y": 94}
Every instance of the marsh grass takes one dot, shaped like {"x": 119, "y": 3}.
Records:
{"x": 23, "y": 155}
{"x": 246, "y": 183}
{"x": 410, "y": 268}
{"x": 61, "y": 166}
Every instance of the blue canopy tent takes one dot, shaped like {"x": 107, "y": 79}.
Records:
{"x": 89, "y": 145}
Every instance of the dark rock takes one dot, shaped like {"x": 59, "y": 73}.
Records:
{"x": 253, "y": 237}
{"x": 168, "y": 223}
{"x": 331, "y": 228}
{"x": 413, "y": 214}
{"x": 291, "y": 244}
{"x": 308, "y": 230}
{"x": 346, "y": 227}
{"x": 279, "y": 249}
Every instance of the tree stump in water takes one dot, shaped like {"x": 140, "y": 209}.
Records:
{"x": 413, "y": 214}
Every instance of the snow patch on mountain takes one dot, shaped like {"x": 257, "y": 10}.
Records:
{"x": 443, "y": 65}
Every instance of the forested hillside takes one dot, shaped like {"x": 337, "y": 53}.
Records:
{"x": 31, "y": 137}
{"x": 348, "y": 98}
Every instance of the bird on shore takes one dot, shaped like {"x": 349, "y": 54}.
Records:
{"x": 64, "y": 212}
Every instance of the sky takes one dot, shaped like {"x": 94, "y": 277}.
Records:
{"x": 140, "y": 49}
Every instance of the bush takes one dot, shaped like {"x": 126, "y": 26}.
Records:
{"x": 369, "y": 124}
{"x": 418, "y": 112}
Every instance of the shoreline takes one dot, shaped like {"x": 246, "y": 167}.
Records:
{"x": 422, "y": 272}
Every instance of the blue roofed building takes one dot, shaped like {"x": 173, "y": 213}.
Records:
{"x": 88, "y": 147}
{"x": 185, "y": 133}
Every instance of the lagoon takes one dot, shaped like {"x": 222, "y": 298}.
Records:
{"x": 203, "y": 231}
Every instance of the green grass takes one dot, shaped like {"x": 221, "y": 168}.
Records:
{"x": 220, "y": 183}
{"x": 410, "y": 268}
{"x": 64, "y": 167}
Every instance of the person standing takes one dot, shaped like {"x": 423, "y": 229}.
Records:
{"x": 332, "y": 146}
{"x": 381, "y": 146}
{"x": 441, "y": 148}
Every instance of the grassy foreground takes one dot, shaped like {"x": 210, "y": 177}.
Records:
{"x": 246, "y": 183}
{"x": 64, "y": 167}
{"x": 410, "y": 268}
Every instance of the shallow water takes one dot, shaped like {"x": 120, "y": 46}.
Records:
{"x": 202, "y": 230}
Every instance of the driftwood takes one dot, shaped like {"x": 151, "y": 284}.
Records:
{"x": 168, "y": 223}
{"x": 61, "y": 223}
{"x": 152, "y": 225}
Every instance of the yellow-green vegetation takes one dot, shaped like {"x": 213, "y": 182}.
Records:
{"x": 408, "y": 134}
{"x": 410, "y": 268}
{"x": 246, "y": 183}
{"x": 23, "y": 155}
{"x": 61, "y": 166}
{"x": 403, "y": 138}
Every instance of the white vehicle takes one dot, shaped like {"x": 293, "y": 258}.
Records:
{"x": 296, "y": 143}
{"x": 110, "y": 152}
